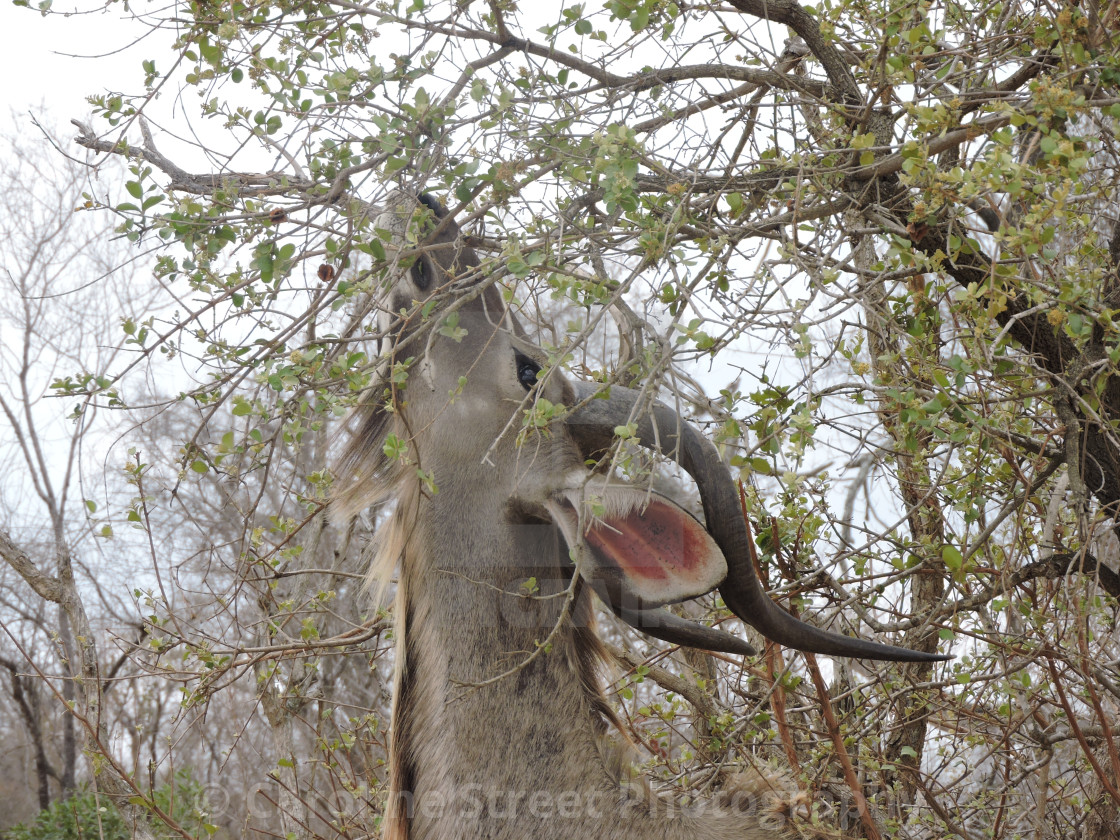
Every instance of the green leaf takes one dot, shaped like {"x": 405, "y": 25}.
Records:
{"x": 952, "y": 558}
{"x": 395, "y": 447}
{"x": 451, "y": 328}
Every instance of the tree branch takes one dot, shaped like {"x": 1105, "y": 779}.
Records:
{"x": 45, "y": 586}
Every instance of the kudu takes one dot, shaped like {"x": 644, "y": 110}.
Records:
{"x": 498, "y": 721}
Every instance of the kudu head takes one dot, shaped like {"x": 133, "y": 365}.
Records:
{"x": 459, "y": 379}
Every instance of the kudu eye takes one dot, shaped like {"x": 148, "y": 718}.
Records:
{"x": 421, "y": 275}
{"x": 527, "y": 371}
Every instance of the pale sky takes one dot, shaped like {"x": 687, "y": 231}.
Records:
{"x": 54, "y": 63}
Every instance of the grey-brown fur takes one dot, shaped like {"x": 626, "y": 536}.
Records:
{"x": 493, "y": 737}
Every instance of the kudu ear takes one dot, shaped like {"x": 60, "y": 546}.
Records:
{"x": 643, "y": 549}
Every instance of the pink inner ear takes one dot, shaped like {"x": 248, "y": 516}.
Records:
{"x": 662, "y": 553}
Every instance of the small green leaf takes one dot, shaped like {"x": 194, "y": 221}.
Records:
{"x": 952, "y": 558}
{"x": 451, "y": 328}
{"x": 760, "y": 466}
{"x": 395, "y": 448}
{"x": 625, "y": 432}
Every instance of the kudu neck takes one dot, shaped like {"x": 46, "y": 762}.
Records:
{"x": 484, "y": 712}
{"x": 495, "y": 736}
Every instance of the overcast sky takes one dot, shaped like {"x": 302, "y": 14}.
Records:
{"x": 56, "y": 62}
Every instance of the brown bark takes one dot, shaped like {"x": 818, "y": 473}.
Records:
{"x": 25, "y": 695}
{"x": 1103, "y": 822}
{"x": 923, "y": 513}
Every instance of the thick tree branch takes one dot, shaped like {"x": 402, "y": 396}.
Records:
{"x": 45, "y": 586}
{"x": 800, "y": 21}
{"x": 269, "y": 183}
{"x": 640, "y": 81}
